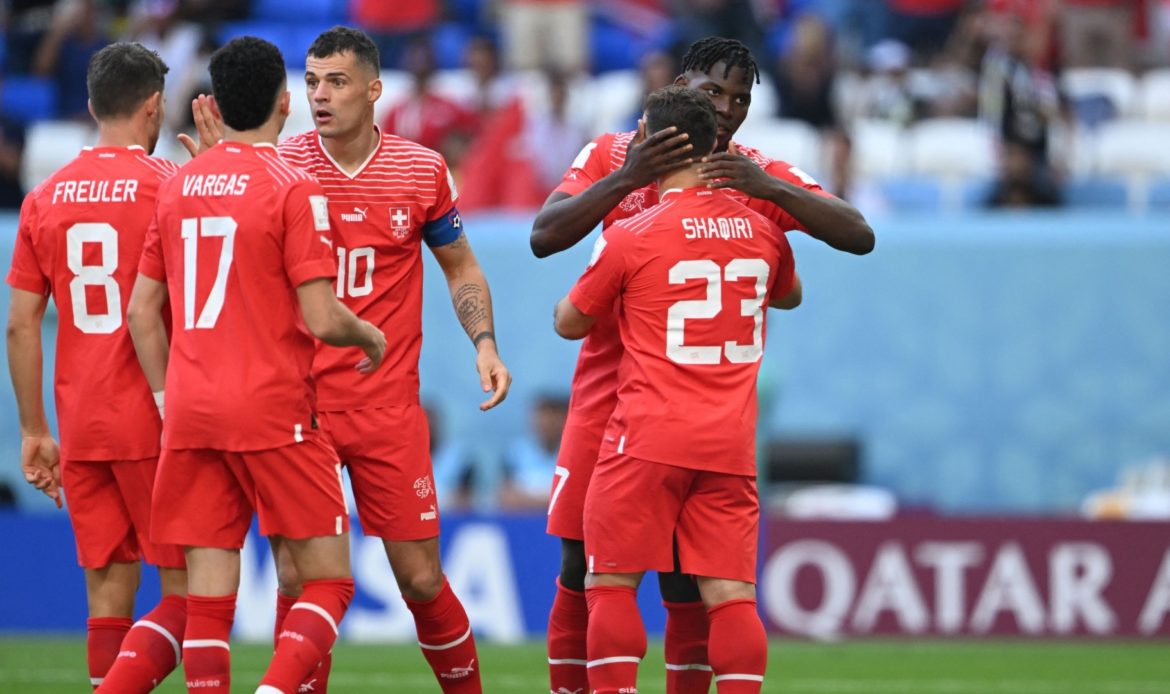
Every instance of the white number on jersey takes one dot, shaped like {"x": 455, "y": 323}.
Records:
{"x": 192, "y": 230}
{"x": 94, "y": 276}
{"x": 583, "y": 156}
{"x": 349, "y": 272}
{"x": 709, "y": 307}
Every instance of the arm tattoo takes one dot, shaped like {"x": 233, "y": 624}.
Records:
{"x": 472, "y": 308}
{"x": 459, "y": 243}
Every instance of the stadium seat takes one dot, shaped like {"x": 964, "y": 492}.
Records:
{"x": 1119, "y": 86}
{"x": 765, "y": 102}
{"x": 951, "y": 148}
{"x": 269, "y": 31}
{"x": 49, "y": 145}
{"x": 1133, "y": 148}
{"x": 333, "y": 11}
{"x": 27, "y": 99}
{"x": 1096, "y": 192}
{"x": 1154, "y": 95}
{"x": 294, "y": 42}
{"x": 879, "y": 149}
{"x": 793, "y": 141}
{"x": 457, "y": 85}
{"x": 619, "y": 96}
{"x": 449, "y": 40}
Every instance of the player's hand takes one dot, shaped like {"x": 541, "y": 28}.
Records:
{"x": 208, "y": 124}
{"x": 649, "y": 157}
{"x": 374, "y": 347}
{"x": 731, "y": 169}
{"x": 40, "y": 461}
{"x": 493, "y": 375}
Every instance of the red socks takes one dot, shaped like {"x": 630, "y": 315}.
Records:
{"x": 151, "y": 650}
{"x": 567, "y": 623}
{"x": 284, "y": 603}
{"x": 207, "y": 657}
{"x": 738, "y": 648}
{"x": 616, "y": 639}
{"x": 102, "y": 643}
{"x": 687, "y": 670}
{"x": 307, "y": 633}
{"x": 318, "y": 680}
{"x": 444, "y": 634}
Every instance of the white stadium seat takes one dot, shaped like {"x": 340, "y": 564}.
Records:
{"x": 1154, "y": 95}
{"x": 879, "y": 149}
{"x": 793, "y": 141}
{"x": 49, "y": 145}
{"x": 765, "y": 100}
{"x": 618, "y": 95}
{"x": 1119, "y": 86}
{"x": 1133, "y": 148}
{"x": 952, "y": 148}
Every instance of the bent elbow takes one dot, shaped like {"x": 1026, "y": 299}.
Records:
{"x": 538, "y": 241}
{"x": 865, "y": 239}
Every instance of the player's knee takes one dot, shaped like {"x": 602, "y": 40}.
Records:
{"x": 420, "y": 585}
{"x": 288, "y": 579}
{"x": 573, "y": 564}
{"x": 677, "y": 587}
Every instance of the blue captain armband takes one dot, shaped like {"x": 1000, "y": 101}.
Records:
{"x": 444, "y": 230}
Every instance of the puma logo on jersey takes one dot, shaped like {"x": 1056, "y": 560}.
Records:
{"x": 325, "y": 240}
{"x": 458, "y": 673}
{"x": 358, "y": 215}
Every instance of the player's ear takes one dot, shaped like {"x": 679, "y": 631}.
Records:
{"x": 89, "y": 107}
{"x": 285, "y": 101}
{"x": 154, "y": 103}
{"x": 681, "y": 80}
{"x": 642, "y": 127}
{"x": 375, "y": 92}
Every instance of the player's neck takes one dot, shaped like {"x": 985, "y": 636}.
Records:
{"x": 352, "y": 150}
{"x": 681, "y": 179}
{"x": 122, "y": 133}
{"x": 266, "y": 134}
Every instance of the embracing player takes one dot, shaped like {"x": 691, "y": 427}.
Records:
{"x": 677, "y": 469}
{"x": 79, "y": 240}
{"x": 241, "y": 247}
{"x": 387, "y": 197}
{"x": 614, "y": 178}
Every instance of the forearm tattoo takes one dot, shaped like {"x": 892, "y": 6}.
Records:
{"x": 473, "y": 307}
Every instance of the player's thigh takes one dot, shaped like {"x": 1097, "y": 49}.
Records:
{"x": 199, "y": 500}
{"x": 387, "y": 453}
{"x": 576, "y": 458}
{"x": 719, "y": 527}
{"x": 102, "y": 525}
{"x": 323, "y": 557}
{"x": 135, "y": 479}
{"x": 298, "y": 492}
{"x": 630, "y": 513}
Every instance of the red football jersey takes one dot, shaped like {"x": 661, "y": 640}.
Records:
{"x": 595, "y": 377}
{"x": 694, "y": 276}
{"x": 236, "y": 231}
{"x": 402, "y": 196}
{"x": 80, "y": 236}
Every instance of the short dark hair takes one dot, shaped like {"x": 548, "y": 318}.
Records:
{"x": 342, "y": 39}
{"x": 121, "y": 76}
{"x": 702, "y": 55}
{"x": 247, "y": 75}
{"x": 686, "y": 109}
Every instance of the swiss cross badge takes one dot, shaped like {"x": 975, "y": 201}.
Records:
{"x": 400, "y": 222}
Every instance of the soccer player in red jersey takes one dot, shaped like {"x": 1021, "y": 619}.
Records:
{"x": 677, "y": 470}
{"x": 387, "y": 196}
{"x": 81, "y": 233}
{"x": 241, "y": 246}
{"x": 614, "y": 178}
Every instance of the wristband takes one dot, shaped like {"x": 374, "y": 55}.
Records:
{"x": 158, "y": 401}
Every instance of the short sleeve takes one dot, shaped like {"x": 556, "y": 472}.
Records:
{"x": 601, "y": 284}
{"x": 26, "y": 272}
{"x": 791, "y": 174}
{"x": 785, "y": 268}
{"x": 588, "y": 168}
{"x": 151, "y": 263}
{"x": 308, "y": 241}
{"x": 443, "y": 224}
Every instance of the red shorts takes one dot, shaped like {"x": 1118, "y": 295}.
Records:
{"x": 206, "y": 498}
{"x": 635, "y": 509}
{"x": 387, "y": 451}
{"x": 580, "y": 444}
{"x": 109, "y": 507}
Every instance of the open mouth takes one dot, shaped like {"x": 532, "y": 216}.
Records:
{"x": 322, "y": 116}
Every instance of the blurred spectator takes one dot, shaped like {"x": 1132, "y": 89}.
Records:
{"x": 11, "y": 152}
{"x": 697, "y": 19}
{"x": 886, "y": 94}
{"x": 530, "y": 461}
{"x": 493, "y": 87}
{"x": 7, "y": 496}
{"x": 161, "y": 27}
{"x": 539, "y": 33}
{"x": 1101, "y": 33}
{"x": 424, "y": 116}
{"x": 1015, "y": 97}
{"x": 551, "y": 135}
{"x": 394, "y": 25}
{"x": 657, "y": 69}
{"x": 76, "y": 33}
{"x": 454, "y": 468}
{"x": 924, "y": 25}
{"x": 1023, "y": 181}
{"x": 26, "y": 22}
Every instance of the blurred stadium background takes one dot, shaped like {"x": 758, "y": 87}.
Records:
{"x": 952, "y": 428}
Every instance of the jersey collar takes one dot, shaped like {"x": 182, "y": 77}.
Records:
{"x": 357, "y": 172}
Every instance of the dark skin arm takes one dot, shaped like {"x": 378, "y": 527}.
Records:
{"x": 827, "y": 219}
{"x": 566, "y": 219}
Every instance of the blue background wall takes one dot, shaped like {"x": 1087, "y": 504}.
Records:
{"x": 987, "y": 363}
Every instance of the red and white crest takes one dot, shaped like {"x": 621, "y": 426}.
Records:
{"x": 400, "y": 221}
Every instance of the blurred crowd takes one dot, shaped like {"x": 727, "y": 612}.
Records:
{"x": 829, "y": 63}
